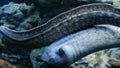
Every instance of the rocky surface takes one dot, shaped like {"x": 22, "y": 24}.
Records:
{"x": 12, "y": 15}
{"x": 6, "y": 64}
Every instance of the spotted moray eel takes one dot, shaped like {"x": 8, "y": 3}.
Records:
{"x": 80, "y": 44}
{"x": 68, "y": 22}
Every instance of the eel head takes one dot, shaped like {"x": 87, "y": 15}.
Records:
{"x": 57, "y": 56}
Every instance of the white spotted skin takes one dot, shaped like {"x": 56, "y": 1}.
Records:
{"x": 76, "y": 46}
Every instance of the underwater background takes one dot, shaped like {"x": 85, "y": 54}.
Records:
{"x": 26, "y": 14}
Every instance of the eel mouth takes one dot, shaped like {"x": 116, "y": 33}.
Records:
{"x": 41, "y": 62}
{"x": 39, "y": 59}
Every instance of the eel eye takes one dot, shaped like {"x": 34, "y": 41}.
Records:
{"x": 60, "y": 52}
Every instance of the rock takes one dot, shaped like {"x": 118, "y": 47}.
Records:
{"x": 114, "y": 54}
{"x": 14, "y": 14}
{"x": 95, "y": 60}
{"x": 115, "y": 3}
{"x": 1, "y": 45}
{"x": 108, "y": 58}
{"x": 32, "y": 21}
{"x": 6, "y": 64}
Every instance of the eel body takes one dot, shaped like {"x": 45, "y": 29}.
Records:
{"x": 78, "y": 45}
{"x": 68, "y": 22}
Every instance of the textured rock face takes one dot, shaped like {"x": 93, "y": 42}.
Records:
{"x": 14, "y": 14}
{"x": 115, "y": 3}
{"x": 6, "y": 64}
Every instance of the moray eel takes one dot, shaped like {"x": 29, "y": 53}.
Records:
{"x": 68, "y": 22}
{"x": 78, "y": 45}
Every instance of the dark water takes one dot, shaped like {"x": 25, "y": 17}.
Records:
{"x": 3, "y": 2}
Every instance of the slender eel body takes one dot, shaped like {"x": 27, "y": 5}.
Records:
{"x": 76, "y": 46}
{"x": 68, "y": 22}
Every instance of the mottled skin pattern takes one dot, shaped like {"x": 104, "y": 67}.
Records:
{"x": 68, "y": 22}
{"x": 76, "y": 46}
